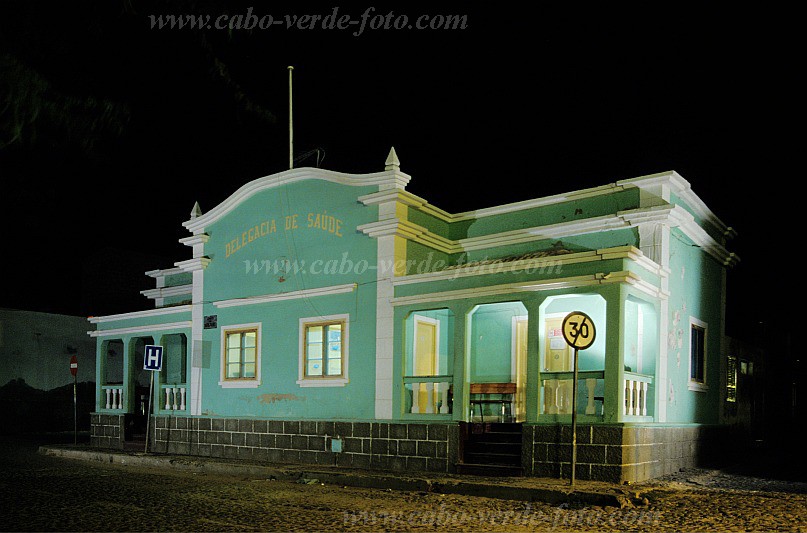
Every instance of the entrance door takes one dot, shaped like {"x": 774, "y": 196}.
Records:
{"x": 520, "y": 368}
{"x": 557, "y": 358}
{"x": 425, "y": 348}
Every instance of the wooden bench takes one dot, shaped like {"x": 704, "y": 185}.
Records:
{"x": 493, "y": 388}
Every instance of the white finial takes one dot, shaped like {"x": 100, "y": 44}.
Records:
{"x": 196, "y": 211}
{"x": 392, "y": 162}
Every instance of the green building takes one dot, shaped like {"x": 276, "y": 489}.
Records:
{"x": 338, "y": 319}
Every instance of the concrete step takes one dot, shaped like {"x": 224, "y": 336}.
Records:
{"x": 474, "y": 469}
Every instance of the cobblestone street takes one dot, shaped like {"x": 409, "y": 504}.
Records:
{"x": 41, "y": 493}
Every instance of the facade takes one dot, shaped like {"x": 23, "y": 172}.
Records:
{"x": 338, "y": 319}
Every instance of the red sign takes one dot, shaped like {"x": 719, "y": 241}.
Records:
{"x": 73, "y": 365}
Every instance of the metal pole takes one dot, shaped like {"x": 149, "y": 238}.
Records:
{"x": 148, "y": 412}
{"x": 574, "y": 417}
{"x": 291, "y": 127}
{"x": 75, "y": 412}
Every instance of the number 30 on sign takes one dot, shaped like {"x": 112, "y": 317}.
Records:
{"x": 578, "y": 330}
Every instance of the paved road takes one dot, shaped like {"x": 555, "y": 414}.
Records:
{"x": 42, "y": 493}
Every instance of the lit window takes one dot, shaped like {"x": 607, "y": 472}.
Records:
{"x": 731, "y": 379}
{"x": 323, "y": 351}
{"x": 697, "y": 355}
{"x": 240, "y": 356}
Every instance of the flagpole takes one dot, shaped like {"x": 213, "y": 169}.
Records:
{"x": 291, "y": 127}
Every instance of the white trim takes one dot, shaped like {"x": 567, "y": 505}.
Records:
{"x": 692, "y": 384}
{"x": 650, "y": 183}
{"x": 194, "y": 240}
{"x": 291, "y": 295}
{"x": 673, "y": 215}
{"x": 619, "y": 252}
{"x": 600, "y": 278}
{"x": 159, "y": 273}
{"x": 190, "y": 265}
{"x": 434, "y": 322}
{"x": 324, "y": 381}
{"x": 140, "y": 314}
{"x": 390, "y": 179}
{"x": 139, "y": 329}
{"x": 165, "y": 292}
{"x": 240, "y": 383}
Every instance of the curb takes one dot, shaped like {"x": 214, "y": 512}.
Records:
{"x": 365, "y": 479}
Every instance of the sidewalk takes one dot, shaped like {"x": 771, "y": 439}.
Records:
{"x": 553, "y": 491}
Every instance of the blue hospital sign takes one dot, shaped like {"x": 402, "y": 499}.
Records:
{"x": 153, "y": 358}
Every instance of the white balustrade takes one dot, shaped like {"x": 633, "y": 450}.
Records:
{"x": 174, "y": 397}
{"x": 114, "y": 397}
{"x": 558, "y": 392}
{"x": 636, "y": 388}
{"x": 430, "y": 397}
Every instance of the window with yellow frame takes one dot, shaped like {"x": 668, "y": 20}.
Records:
{"x": 323, "y": 351}
{"x": 240, "y": 356}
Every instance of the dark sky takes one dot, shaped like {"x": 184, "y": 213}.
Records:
{"x": 111, "y": 130}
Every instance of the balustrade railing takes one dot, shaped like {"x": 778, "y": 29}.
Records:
{"x": 637, "y": 388}
{"x": 557, "y": 392}
{"x": 114, "y": 396}
{"x": 428, "y": 394}
{"x": 174, "y": 397}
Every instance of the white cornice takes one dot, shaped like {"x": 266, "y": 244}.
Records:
{"x": 159, "y": 273}
{"x": 684, "y": 220}
{"x": 141, "y": 314}
{"x": 190, "y": 265}
{"x": 389, "y": 179}
{"x": 140, "y": 329}
{"x": 193, "y": 240}
{"x": 683, "y": 189}
{"x": 291, "y": 295}
{"x": 552, "y": 261}
{"x": 533, "y": 286}
{"x": 165, "y": 292}
{"x": 667, "y": 214}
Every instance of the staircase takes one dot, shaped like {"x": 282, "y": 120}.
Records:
{"x": 491, "y": 449}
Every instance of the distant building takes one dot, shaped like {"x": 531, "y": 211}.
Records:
{"x": 37, "y": 348}
{"x": 36, "y": 386}
{"x": 339, "y": 319}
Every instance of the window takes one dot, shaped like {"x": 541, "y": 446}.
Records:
{"x": 731, "y": 379}
{"x": 240, "y": 356}
{"x": 323, "y": 351}
{"x": 697, "y": 355}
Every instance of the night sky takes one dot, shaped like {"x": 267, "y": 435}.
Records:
{"x": 110, "y": 130}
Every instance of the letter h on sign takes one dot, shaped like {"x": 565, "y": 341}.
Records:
{"x": 153, "y": 358}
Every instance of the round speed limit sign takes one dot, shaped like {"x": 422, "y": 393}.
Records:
{"x": 578, "y": 330}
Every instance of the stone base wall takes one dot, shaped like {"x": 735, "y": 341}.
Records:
{"x": 400, "y": 447}
{"x": 613, "y": 453}
{"x": 106, "y": 430}
{"x": 618, "y": 453}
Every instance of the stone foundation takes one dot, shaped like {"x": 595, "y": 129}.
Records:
{"x": 106, "y": 430}
{"x": 613, "y": 453}
{"x": 374, "y": 445}
{"x": 617, "y": 453}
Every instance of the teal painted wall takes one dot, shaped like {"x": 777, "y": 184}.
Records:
{"x": 695, "y": 286}
{"x": 288, "y": 252}
{"x": 492, "y": 341}
{"x": 279, "y": 396}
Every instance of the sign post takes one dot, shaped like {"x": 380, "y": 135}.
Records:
{"x": 153, "y": 361}
{"x": 74, "y": 372}
{"x": 579, "y": 332}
